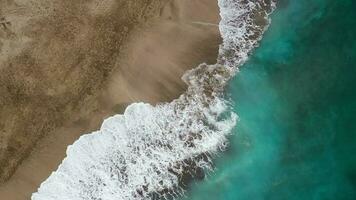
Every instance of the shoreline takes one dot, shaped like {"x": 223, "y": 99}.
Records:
{"x": 51, "y": 149}
{"x": 148, "y": 148}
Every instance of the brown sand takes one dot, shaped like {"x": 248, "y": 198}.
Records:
{"x": 56, "y": 57}
{"x": 61, "y": 78}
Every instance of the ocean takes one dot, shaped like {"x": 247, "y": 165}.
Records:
{"x": 296, "y": 100}
{"x": 296, "y": 103}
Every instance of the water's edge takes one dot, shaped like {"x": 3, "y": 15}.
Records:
{"x": 146, "y": 152}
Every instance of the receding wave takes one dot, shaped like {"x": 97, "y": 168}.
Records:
{"x": 147, "y": 152}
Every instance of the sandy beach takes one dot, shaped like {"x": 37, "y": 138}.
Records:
{"x": 59, "y": 80}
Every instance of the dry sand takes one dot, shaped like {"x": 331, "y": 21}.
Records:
{"x": 62, "y": 83}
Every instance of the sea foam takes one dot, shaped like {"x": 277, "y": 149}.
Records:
{"x": 146, "y": 152}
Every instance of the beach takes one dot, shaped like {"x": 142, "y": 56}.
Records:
{"x": 63, "y": 79}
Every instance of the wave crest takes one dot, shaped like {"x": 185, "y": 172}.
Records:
{"x": 149, "y": 150}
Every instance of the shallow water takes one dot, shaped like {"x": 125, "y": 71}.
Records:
{"x": 296, "y": 99}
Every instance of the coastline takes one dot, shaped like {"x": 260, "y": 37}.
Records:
{"x": 159, "y": 81}
{"x": 168, "y": 138}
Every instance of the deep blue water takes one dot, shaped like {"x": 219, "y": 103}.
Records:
{"x": 296, "y": 98}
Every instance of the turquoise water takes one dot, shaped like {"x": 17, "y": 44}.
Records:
{"x": 296, "y": 98}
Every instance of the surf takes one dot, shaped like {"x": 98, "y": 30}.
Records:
{"x": 146, "y": 152}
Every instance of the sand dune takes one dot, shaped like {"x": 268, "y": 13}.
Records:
{"x": 111, "y": 54}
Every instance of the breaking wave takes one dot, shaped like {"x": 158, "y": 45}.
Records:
{"x": 149, "y": 151}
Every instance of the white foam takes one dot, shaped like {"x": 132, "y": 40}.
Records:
{"x": 144, "y": 151}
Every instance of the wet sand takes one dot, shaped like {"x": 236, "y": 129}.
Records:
{"x": 71, "y": 83}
